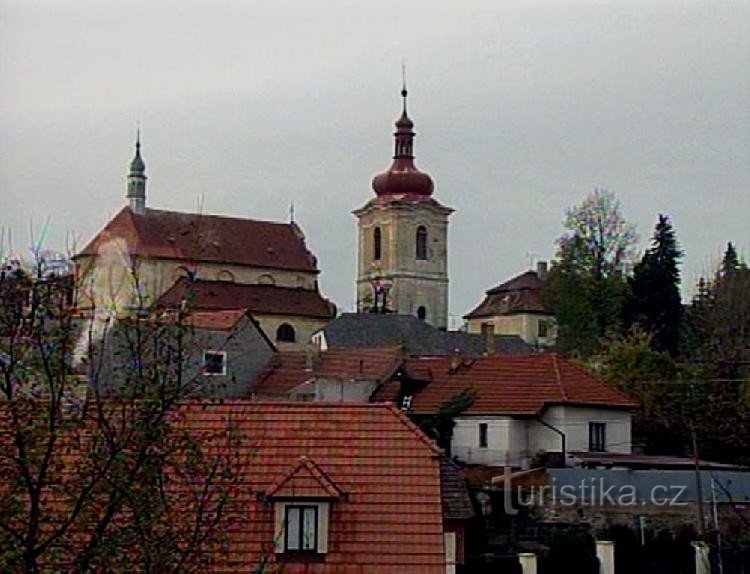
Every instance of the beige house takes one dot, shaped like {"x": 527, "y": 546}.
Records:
{"x": 146, "y": 256}
{"x": 517, "y": 307}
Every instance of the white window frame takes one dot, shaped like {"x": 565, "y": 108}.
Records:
{"x": 280, "y": 525}
{"x": 223, "y": 363}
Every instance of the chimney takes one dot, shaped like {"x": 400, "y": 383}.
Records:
{"x": 541, "y": 270}
{"x": 312, "y": 355}
{"x": 455, "y": 360}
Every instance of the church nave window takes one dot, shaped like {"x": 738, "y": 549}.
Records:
{"x": 285, "y": 333}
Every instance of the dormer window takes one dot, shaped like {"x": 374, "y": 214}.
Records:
{"x": 302, "y": 514}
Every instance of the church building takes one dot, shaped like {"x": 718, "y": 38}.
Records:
{"x": 145, "y": 258}
{"x": 403, "y": 239}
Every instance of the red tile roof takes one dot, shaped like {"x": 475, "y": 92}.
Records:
{"x": 216, "y": 320}
{"x": 289, "y": 369}
{"x": 521, "y": 294}
{"x": 210, "y": 238}
{"x": 379, "y": 472}
{"x": 257, "y": 299}
{"x": 304, "y": 480}
{"x": 388, "y": 518}
{"x": 511, "y": 384}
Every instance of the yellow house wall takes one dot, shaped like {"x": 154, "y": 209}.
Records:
{"x": 525, "y": 325}
{"x": 304, "y": 328}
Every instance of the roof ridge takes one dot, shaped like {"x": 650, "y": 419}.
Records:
{"x": 216, "y": 215}
{"x": 558, "y": 375}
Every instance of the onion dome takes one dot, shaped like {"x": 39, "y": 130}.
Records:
{"x": 403, "y": 177}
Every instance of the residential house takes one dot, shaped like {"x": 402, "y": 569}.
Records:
{"x": 221, "y": 352}
{"x": 524, "y": 406}
{"x": 517, "y": 307}
{"x": 344, "y": 375}
{"x": 329, "y": 488}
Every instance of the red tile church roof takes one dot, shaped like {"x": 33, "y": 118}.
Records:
{"x": 209, "y": 238}
{"x": 257, "y": 299}
{"x": 510, "y": 385}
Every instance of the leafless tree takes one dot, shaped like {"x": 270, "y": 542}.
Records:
{"x": 98, "y": 472}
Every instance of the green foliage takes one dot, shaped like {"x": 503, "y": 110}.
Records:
{"x": 649, "y": 377}
{"x": 440, "y": 425}
{"x": 655, "y": 303}
{"x": 676, "y": 400}
{"x": 717, "y": 329}
{"x": 587, "y": 289}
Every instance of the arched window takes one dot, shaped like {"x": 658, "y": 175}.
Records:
{"x": 285, "y": 333}
{"x": 225, "y": 275}
{"x": 422, "y": 313}
{"x": 421, "y": 242}
{"x": 266, "y": 279}
{"x": 377, "y": 244}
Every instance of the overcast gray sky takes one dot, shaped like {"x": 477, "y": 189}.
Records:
{"x": 521, "y": 109}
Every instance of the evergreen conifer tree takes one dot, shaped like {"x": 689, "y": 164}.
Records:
{"x": 655, "y": 304}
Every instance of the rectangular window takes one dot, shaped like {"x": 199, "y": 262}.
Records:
{"x": 543, "y": 330}
{"x": 483, "y": 435}
{"x": 301, "y": 529}
{"x": 214, "y": 363}
{"x": 597, "y": 437}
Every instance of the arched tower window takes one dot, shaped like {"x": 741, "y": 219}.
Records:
{"x": 422, "y": 313}
{"x": 377, "y": 244}
{"x": 285, "y": 333}
{"x": 421, "y": 242}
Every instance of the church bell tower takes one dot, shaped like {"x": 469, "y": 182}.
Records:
{"x": 403, "y": 239}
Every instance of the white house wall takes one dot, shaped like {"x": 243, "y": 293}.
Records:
{"x": 515, "y": 441}
{"x": 574, "y": 422}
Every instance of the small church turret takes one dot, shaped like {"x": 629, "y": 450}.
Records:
{"x": 403, "y": 238}
{"x": 136, "y": 195}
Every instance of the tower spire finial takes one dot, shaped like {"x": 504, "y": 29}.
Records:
{"x": 136, "y": 194}
{"x": 404, "y": 91}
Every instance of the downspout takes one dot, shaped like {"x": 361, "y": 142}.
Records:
{"x": 562, "y": 437}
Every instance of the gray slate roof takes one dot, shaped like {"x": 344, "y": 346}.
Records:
{"x": 456, "y": 499}
{"x": 416, "y": 336}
